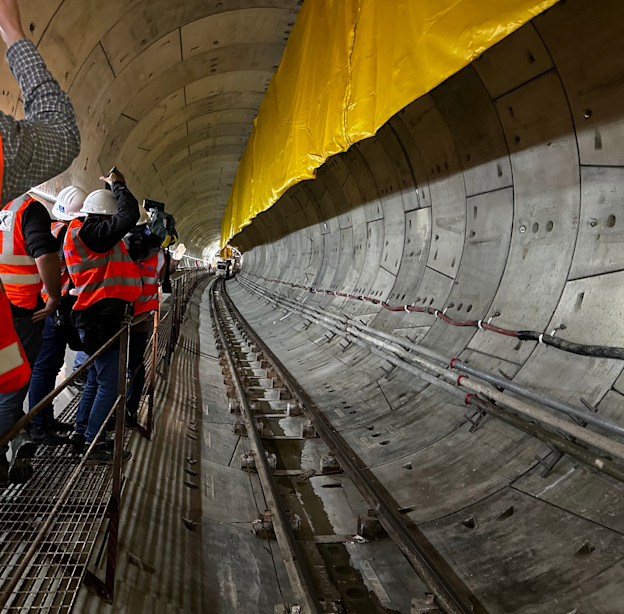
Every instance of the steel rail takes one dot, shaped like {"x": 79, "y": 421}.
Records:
{"x": 452, "y": 594}
{"x": 300, "y": 580}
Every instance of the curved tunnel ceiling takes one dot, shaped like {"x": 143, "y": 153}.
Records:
{"x": 165, "y": 90}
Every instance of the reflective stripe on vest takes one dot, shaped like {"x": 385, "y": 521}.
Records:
{"x": 65, "y": 279}
{"x": 18, "y": 270}
{"x": 149, "y": 269}
{"x": 14, "y": 367}
{"x": 97, "y": 276}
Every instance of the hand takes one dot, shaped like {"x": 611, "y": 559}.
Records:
{"x": 180, "y": 250}
{"x": 10, "y": 22}
{"x": 49, "y": 308}
{"x": 113, "y": 176}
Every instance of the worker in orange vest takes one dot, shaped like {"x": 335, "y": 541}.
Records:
{"x": 150, "y": 260}
{"x": 58, "y": 330}
{"x": 32, "y": 150}
{"x": 28, "y": 258}
{"x": 106, "y": 283}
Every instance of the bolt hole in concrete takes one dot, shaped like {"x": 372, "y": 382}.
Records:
{"x": 549, "y": 226}
{"x": 508, "y": 513}
{"x": 585, "y": 549}
{"x": 611, "y": 221}
{"x": 535, "y": 227}
{"x": 470, "y": 523}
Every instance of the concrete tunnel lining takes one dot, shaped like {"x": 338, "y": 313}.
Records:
{"x": 497, "y": 192}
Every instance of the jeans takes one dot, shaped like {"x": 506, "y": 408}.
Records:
{"x": 99, "y": 395}
{"x": 11, "y": 403}
{"x": 138, "y": 343}
{"x": 44, "y": 371}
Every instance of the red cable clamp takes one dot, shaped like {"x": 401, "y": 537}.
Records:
{"x": 467, "y": 399}
{"x": 459, "y": 379}
{"x": 452, "y": 363}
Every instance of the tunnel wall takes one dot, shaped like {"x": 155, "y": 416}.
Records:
{"x": 498, "y": 193}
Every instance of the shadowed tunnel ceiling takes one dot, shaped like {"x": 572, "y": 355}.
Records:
{"x": 165, "y": 90}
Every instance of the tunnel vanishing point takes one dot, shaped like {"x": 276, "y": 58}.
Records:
{"x": 496, "y": 198}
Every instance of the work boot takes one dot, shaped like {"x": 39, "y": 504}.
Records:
{"x": 131, "y": 420}
{"x": 23, "y": 449}
{"x": 103, "y": 455}
{"x": 47, "y": 437}
{"x": 61, "y": 427}
{"x": 77, "y": 441}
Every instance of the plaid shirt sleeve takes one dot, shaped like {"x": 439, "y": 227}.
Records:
{"x": 45, "y": 143}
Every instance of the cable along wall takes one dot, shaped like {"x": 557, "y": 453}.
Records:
{"x": 499, "y": 192}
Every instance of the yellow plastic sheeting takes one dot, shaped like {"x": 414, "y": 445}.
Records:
{"x": 348, "y": 67}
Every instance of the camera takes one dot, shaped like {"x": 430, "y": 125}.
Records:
{"x": 153, "y": 204}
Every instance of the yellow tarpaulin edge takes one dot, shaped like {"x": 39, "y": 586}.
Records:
{"x": 348, "y": 67}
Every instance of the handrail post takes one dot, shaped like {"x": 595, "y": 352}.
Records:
{"x": 120, "y": 423}
{"x": 152, "y": 376}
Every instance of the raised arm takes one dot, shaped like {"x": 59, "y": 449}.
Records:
{"x": 45, "y": 143}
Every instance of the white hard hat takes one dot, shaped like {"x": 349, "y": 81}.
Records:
{"x": 68, "y": 203}
{"x": 100, "y": 202}
{"x": 145, "y": 217}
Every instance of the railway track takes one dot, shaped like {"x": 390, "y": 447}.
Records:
{"x": 276, "y": 417}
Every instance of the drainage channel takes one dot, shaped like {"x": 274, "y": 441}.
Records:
{"x": 305, "y": 473}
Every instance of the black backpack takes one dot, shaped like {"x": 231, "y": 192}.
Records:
{"x": 163, "y": 228}
{"x": 141, "y": 244}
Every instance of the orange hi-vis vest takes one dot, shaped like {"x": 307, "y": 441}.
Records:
{"x": 14, "y": 367}
{"x": 18, "y": 270}
{"x": 65, "y": 279}
{"x": 149, "y": 269}
{"x": 98, "y": 276}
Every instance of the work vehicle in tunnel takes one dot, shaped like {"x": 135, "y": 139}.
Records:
{"x": 425, "y": 342}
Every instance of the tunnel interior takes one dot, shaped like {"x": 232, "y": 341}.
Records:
{"x": 498, "y": 196}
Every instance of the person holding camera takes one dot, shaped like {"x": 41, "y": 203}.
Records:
{"x": 106, "y": 283}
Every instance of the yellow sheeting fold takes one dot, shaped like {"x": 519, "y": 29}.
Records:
{"x": 348, "y": 67}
